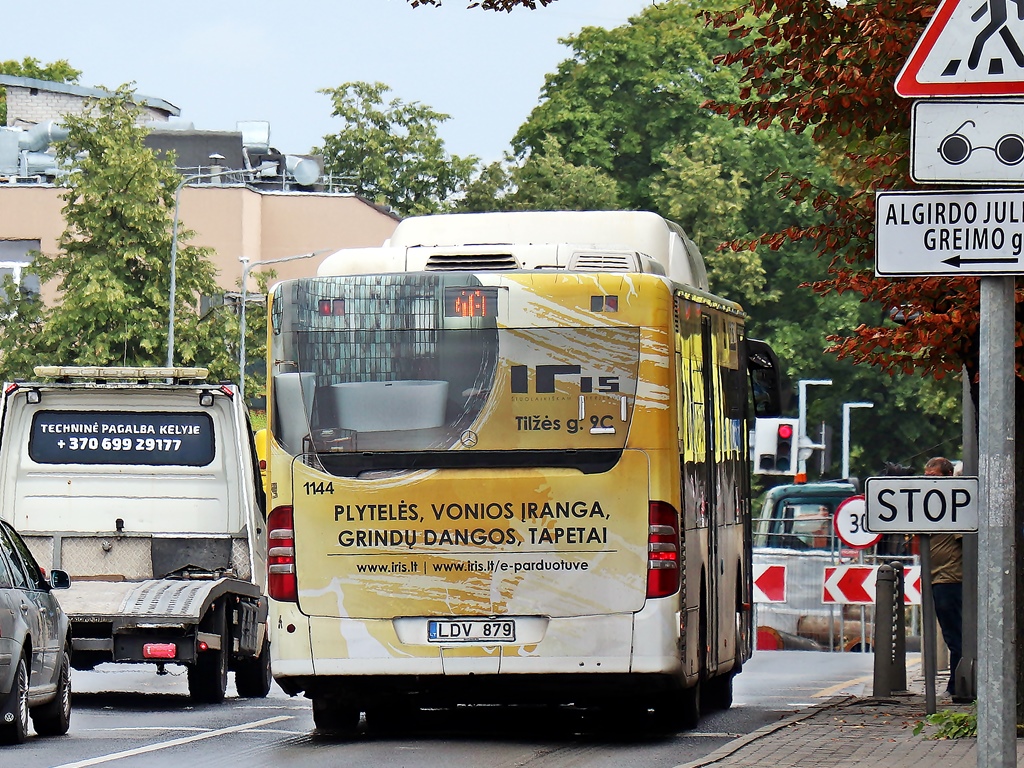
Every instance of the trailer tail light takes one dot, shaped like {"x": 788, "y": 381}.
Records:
{"x": 662, "y": 550}
{"x": 281, "y": 582}
{"x": 159, "y": 651}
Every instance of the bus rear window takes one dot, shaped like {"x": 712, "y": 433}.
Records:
{"x": 122, "y": 437}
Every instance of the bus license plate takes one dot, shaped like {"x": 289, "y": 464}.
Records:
{"x": 471, "y": 631}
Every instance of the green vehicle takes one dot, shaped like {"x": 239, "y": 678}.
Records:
{"x": 794, "y": 529}
{"x": 799, "y": 516}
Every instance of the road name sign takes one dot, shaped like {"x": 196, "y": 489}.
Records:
{"x": 923, "y": 504}
{"x": 949, "y": 233}
{"x": 967, "y": 142}
{"x": 769, "y": 583}
{"x": 848, "y": 522}
{"x": 969, "y": 48}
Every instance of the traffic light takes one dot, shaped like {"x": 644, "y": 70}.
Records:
{"x": 775, "y": 446}
{"x": 784, "y": 447}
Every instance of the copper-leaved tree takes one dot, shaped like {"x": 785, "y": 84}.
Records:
{"x": 831, "y": 70}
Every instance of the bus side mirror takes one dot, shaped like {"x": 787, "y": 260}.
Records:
{"x": 765, "y": 379}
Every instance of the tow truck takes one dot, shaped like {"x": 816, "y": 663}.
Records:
{"x": 144, "y": 484}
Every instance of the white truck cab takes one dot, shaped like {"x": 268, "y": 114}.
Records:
{"x": 143, "y": 483}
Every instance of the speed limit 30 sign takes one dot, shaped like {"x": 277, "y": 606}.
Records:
{"x": 923, "y": 504}
{"x": 850, "y": 525}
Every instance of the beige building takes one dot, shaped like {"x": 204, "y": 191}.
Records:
{"x": 251, "y": 201}
{"x": 235, "y": 220}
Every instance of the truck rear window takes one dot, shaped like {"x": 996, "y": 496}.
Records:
{"x": 122, "y": 437}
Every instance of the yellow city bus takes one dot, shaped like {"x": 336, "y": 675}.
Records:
{"x": 509, "y": 464}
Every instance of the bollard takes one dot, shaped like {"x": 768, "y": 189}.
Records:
{"x": 885, "y": 588}
{"x": 899, "y": 656}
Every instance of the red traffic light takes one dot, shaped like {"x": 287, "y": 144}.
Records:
{"x": 785, "y": 431}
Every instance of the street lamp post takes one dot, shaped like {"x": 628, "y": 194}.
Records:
{"x": 174, "y": 253}
{"x": 246, "y": 268}
{"x": 847, "y": 407}
{"x": 801, "y": 462}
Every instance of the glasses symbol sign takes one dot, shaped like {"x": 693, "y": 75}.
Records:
{"x": 956, "y": 148}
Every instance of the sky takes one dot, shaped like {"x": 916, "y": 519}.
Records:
{"x": 224, "y": 61}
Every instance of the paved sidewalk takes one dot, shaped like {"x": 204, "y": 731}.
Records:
{"x": 861, "y": 731}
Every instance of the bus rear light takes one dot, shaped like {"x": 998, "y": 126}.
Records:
{"x": 662, "y": 550}
{"x": 281, "y": 582}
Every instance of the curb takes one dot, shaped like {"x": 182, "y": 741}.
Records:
{"x": 736, "y": 745}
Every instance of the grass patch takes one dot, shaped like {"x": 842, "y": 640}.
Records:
{"x": 258, "y": 419}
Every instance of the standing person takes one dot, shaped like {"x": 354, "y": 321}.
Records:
{"x": 947, "y": 568}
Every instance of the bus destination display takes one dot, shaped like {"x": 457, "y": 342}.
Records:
{"x": 470, "y": 302}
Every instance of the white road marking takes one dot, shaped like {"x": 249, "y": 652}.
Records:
{"x": 173, "y": 743}
{"x": 153, "y": 728}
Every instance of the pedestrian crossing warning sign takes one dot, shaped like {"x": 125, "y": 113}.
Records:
{"x": 969, "y": 48}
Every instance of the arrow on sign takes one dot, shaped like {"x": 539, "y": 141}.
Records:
{"x": 912, "y": 585}
{"x": 956, "y": 261}
{"x": 849, "y": 584}
{"x": 855, "y": 584}
{"x": 769, "y": 583}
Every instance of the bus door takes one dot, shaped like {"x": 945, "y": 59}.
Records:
{"x": 713, "y": 514}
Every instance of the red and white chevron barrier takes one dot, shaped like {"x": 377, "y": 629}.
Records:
{"x": 769, "y": 583}
{"x": 855, "y": 585}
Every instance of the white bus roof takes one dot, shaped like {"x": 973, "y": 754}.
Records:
{"x": 572, "y": 240}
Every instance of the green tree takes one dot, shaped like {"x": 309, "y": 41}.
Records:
{"x": 629, "y": 102}
{"x": 391, "y": 152}
{"x": 58, "y": 72}
{"x": 112, "y": 270}
{"x": 544, "y": 182}
{"x": 632, "y": 103}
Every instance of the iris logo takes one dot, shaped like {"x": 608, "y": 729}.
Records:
{"x": 546, "y": 375}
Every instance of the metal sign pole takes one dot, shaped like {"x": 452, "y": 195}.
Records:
{"x": 928, "y": 645}
{"x": 997, "y": 674}
{"x": 966, "y": 672}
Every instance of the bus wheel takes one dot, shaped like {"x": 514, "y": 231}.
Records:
{"x": 333, "y": 718}
{"x": 718, "y": 691}
{"x": 676, "y": 710}
{"x": 690, "y": 710}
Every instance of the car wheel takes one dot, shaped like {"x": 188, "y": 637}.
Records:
{"x": 252, "y": 676}
{"x": 14, "y": 709}
{"x": 54, "y": 717}
{"x": 208, "y": 676}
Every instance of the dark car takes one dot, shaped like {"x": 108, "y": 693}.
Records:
{"x": 35, "y": 645}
